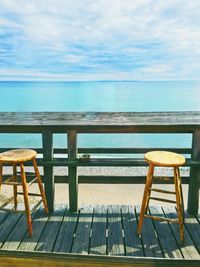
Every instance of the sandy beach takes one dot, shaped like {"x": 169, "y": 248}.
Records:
{"x": 98, "y": 194}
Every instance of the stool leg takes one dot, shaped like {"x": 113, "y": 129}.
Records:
{"x": 179, "y": 200}
{"x": 26, "y": 203}
{"x": 15, "y": 186}
{"x": 146, "y": 196}
{"x": 39, "y": 180}
{"x": 149, "y": 187}
{"x": 1, "y": 174}
{"x": 181, "y": 194}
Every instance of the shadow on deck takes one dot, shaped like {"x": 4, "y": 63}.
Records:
{"x": 98, "y": 235}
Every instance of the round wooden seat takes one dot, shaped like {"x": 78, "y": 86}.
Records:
{"x": 17, "y": 155}
{"x": 164, "y": 158}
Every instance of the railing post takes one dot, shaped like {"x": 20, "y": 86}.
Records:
{"x": 72, "y": 170}
{"x": 193, "y": 192}
{"x": 47, "y": 141}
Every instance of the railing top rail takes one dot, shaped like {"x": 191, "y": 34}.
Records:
{"x": 181, "y": 121}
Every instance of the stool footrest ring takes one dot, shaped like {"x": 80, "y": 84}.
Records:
{"x": 163, "y": 191}
{"x": 32, "y": 181}
{"x": 161, "y": 218}
{"x": 163, "y": 200}
{"x": 30, "y": 194}
{"x": 10, "y": 181}
{"x": 36, "y": 206}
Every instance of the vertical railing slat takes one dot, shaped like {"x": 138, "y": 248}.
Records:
{"x": 72, "y": 170}
{"x": 193, "y": 192}
{"x": 47, "y": 140}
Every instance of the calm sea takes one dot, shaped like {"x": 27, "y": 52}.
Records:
{"x": 100, "y": 96}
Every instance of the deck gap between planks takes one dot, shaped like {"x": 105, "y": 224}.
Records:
{"x": 66, "y": 210}
{"x": 75, "y": 231}
{"x": 140, "y": 236}
{"x": 90, "y": 235}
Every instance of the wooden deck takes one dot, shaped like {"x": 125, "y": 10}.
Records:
{"x": 101, "y": 230}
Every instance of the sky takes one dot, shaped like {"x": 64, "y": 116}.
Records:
{"x": 99, "y": 40}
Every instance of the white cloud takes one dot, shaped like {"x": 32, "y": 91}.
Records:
{"x": 102, "y": 37}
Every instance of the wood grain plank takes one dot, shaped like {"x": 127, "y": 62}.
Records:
{"x": 133, "y": 246}
{"x": 66, "y": 233}
{"x": 3, "y": 215}
{"x": 187, "y": 247}
{"x": 115, "y": 235}
{"x": 168, "y": 243}
{"x": 150, "y": 241}
{"x": 98, "y": 118}
{"x": 51, "y": 230}
{"x": 193, "y": 227}
{"x": 29, "y": 243}
{"x": 7, "y": 225}
{"x": 101, "y": 122}
{"x": 99, "y": 226}
{"x": 82, "y": 235}
{"x": 17, "y": 233}
{"x": 121, "y": 218}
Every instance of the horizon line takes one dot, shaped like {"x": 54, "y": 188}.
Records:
{"x": 60, "y": 80}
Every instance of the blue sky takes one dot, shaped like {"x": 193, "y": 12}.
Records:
{"x": 99, "y": 40}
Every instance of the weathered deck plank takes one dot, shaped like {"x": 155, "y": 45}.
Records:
{"x": 39, "y": 223}
{"x": 187, "y": 247}
{"x": 99, "y": 226}
{"x": 82, "y": 235}
{"x": 7, "y": 225}
{"x": 168, "y": 244}
{"x": 133, "y": 246}
{"x": 115, "y": 237}
{"x": 3, "y": 215}
{"x": 66, "y": 234}
{"x": 99, "y": 231}
{"x": 149, "y": 239}
{"x": 17, "y": 234}
{"x": 193, "y": 227}
{"x": 49, "y": 235}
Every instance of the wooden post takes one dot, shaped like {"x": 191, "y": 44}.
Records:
{"x": 193, "y": 192}
{"x": 72, "y": 171}
{"x": 47, "y": 140}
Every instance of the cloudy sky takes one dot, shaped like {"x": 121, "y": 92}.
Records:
{"x": 99, "y": 40}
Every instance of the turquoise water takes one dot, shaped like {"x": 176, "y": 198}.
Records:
{"x": 100, "y": 96}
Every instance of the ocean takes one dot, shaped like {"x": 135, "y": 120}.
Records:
{"x": 100, "y": 96}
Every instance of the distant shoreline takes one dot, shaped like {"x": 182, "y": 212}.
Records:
{"x": 88, "y": 81}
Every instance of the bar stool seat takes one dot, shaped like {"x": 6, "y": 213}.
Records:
{"x": 17, "y": 157}
{"x": 163, "y": 159}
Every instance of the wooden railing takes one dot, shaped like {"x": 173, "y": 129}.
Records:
{"x": 47, "y": 124}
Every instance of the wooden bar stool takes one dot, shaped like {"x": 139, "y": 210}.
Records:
{"x": 16, "y": 158}
{"x": 163, "y": 159}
